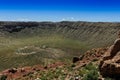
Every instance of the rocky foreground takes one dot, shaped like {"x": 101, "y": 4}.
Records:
{"x": 110, "y": 64}
{"x": 57, "y": 70}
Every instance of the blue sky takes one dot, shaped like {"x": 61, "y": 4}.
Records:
{"x": 60, "y": 10}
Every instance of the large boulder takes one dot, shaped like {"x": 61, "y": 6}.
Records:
{"x": 75, "y": 59}
{"x": 110, "y": 64}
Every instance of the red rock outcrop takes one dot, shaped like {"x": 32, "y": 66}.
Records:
{"x": 16, "y": 73}
{"x": 110, "y": 64}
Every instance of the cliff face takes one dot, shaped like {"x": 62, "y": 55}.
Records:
{"x": 89, "y": 32}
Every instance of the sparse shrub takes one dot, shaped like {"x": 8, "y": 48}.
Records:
{"x": 3, "y": 77}
{"x": 83, "y": 71}
{"x": 43, "y": 78}
{"x": 92, "y": 75}
{"x": 70, "y": 68}
{"x": 73, "y": 65}
{"x": 90, "y": 66}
